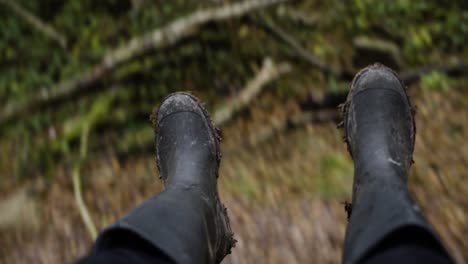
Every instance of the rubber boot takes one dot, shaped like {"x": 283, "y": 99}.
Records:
{"x": 379, "y": 125}
{"x": 187, "y": 221}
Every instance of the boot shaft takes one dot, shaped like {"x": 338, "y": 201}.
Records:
{"x": 380, "y": 132}
{"x": 379, "y": 121}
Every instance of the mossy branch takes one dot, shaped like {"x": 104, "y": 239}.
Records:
{"x": 281, "y": 35}
{"x": 159, "y": 38}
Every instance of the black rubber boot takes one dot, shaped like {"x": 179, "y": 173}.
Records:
{"x": 187, "y": 222}
{"x": 378, "y": 119}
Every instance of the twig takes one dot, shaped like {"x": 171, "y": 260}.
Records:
{"x": 76, "y": 176}
{"x": 157, "y": 39}
{"x": 267, "y": 73}
{"x": 34, "y": 21}
{"x": 81, "y": 205}
{"x": 302, "y": 18}
{"x": 300, "y": 51}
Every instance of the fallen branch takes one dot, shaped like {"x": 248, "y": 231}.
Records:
{"x": 300, "y": 51}
{"x": 267, "y": 73}
{"x": 408, "y": 77}
{"x": 139, "y": 140}
{"x": 157, "y": 39}
{"x": 318, "y": 108}
{"x": 34, "y": 21}
{"x": 317, "y": 101}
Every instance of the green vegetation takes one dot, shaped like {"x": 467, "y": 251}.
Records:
{"x": 436, "y": 81}
{"x": 99, "y": 140}
{"x": 215, "y": 63}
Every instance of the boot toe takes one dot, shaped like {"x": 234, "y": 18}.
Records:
{"x": 179, "y": 102}
{"x": 377, "y": 76}
{"x": 378, "y": 112}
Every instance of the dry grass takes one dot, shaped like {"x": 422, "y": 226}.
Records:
{"x": 284, "y": 195}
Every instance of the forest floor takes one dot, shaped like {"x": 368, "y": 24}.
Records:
{"x": 284, "y": 194}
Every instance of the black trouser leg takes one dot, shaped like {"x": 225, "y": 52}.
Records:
{"x": 174, "y": 226}
{"x": 126, "y": 247}
{"x": 386, "y": 223}
{"x": 408, "y": 246}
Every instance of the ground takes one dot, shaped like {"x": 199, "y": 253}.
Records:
{"x": 284, "y": 193}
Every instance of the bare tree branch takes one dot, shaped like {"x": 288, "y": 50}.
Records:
{"x": 157, "y": 39}
{"x": 408, "y": 77}
{"x": 34, "y": 21}
{"x": 332, "y": 100}
{"x": 300, "y": 51}
{"x": 267, "y": 73}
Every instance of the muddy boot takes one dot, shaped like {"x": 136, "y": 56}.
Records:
{"x": 380, "y": 134}
{"x": 187, "y": 222}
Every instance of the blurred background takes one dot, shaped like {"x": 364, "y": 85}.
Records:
{"x": 79, "y": 79}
